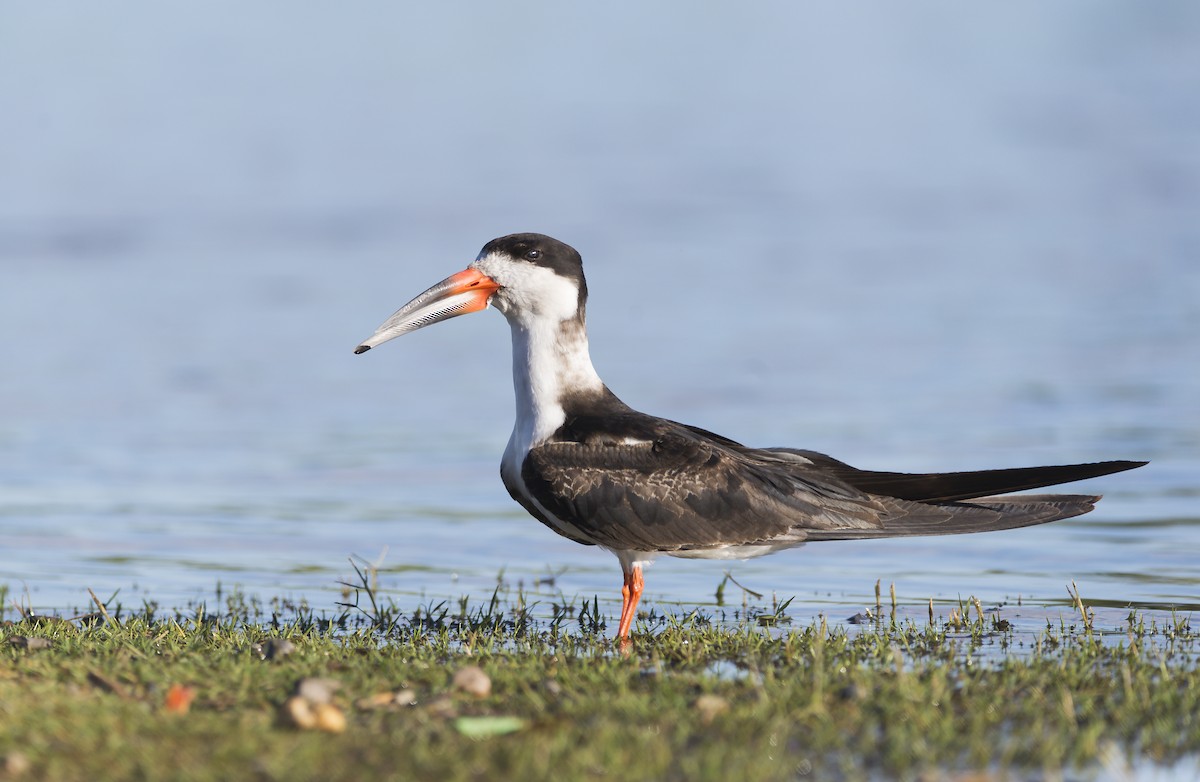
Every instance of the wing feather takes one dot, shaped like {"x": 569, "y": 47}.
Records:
{"x": 631, "y": 482}
{"x": 957, "y": 486}
{"x": 681, "y": 491}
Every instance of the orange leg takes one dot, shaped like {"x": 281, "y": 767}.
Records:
{"x": 631, "y": 593}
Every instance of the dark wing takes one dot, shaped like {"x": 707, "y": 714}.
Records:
{"x": 956, "y": 486}
{"x": 909, "y": 519}
{"x": 628, "y": 481}
{"x": 646, "y": 484}
{"x": 932, "y": 503}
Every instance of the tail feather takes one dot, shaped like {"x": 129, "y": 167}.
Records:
{"x": 957, "y": 486}
{"x": 957, "y": 518}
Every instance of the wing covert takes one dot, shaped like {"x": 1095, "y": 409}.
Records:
{"x": 678, "y": 490}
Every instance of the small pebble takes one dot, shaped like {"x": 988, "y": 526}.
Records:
{"x": 15, "y": 764}
{"x": 311, "y": 706}
{"x": 709, "y": 706}
{"x": 380, "y": 700}
{"x": 274, "y": 648}
{"x": 473, "y": 681}
{"x": 329, "y": 718}
{"x": 32, "y": 644}
{"x": 387, "y": 700}
{"x": 297, "y": 712}
{"x": 316, "y": 690}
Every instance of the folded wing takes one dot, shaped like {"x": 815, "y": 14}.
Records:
{"x": 654, "y": 485}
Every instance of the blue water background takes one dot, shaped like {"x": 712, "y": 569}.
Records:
{"x": 916, "y": 237}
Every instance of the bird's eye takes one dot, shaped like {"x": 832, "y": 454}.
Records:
{"x": 533, "y": 255}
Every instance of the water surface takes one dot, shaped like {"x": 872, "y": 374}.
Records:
{"x": 913, "y": 242}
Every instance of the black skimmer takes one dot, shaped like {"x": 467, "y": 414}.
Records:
{"x": 593, "y": 469}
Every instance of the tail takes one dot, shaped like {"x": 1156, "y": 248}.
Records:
{"x": 909, "y": 519}
{"x": 934, "y": 503}
{"x": 955, "y": 486}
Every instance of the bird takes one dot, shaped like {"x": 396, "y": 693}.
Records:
{"x": 600, "y": 473}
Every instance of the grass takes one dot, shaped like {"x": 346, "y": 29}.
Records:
{"x": 766, "y": 698}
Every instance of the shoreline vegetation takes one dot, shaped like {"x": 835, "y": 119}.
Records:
{"x": 513, "y": 688}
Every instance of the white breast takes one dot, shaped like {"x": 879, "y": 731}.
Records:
{"x": 550, "y": 358}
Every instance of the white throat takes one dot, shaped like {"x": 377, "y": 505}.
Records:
{"x": 550, "y": 349}
{"x": 550, "y": 361}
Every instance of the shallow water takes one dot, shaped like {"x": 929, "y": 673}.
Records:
{"x": 945, "y": 243}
